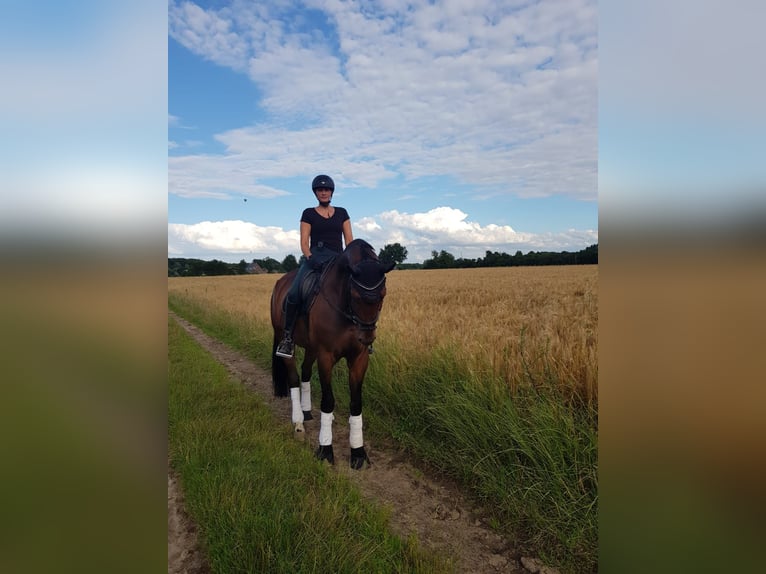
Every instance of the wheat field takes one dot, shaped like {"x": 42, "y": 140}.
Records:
{"x": 528, "y": 325}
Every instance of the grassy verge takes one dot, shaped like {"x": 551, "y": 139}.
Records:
{"x": 530, "y": 456}
{"x": 261, "y": 500}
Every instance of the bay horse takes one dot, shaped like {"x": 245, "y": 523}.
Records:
{"x": 339, "y": 322}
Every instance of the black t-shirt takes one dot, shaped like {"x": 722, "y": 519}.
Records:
{"x": 329, "y": 231}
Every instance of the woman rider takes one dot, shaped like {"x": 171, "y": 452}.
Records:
{"x": 325, "y": 231}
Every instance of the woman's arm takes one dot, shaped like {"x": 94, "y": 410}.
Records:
{"x": 305, "y": 239}
{"x": 348, "y": 237}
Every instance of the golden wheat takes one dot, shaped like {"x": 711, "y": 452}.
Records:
{"x": 521, "y": 323}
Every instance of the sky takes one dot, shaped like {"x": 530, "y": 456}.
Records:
{"x": 458, "y": 126}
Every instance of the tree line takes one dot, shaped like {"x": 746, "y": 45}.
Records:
{"x": 185, "y": 267}
{"x": 445, "y": 260}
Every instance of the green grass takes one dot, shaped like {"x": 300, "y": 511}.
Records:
{"x": 531, "y": 460}
{"x": 529, "y": 457}
{"x": 263, "y": 503}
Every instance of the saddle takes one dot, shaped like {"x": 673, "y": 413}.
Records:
{"x": 309, "y": 288}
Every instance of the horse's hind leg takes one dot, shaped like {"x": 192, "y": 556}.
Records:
{"x": 295, "y": 398}
{"x": 306, "y": 366}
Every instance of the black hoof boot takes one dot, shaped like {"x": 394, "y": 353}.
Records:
{"x": 307, "y": 416}
{"x": 359, "y": 457}
{"x": 325, "y": 453}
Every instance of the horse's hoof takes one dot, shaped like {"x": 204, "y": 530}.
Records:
{"x": 358, "y": 458}
{"x": 298, "y": 431}
{"x": 307, "y": 416}
{"x": 324, "y": 452}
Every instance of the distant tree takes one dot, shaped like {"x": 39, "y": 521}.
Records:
{"x": 589, "y": 255}
{"x": 270, "y": 265}
{"x": 242, "y": 266}
{"x": 393, "y": 252}
{"x": 289, "y": 263}
{"x": 183, "y": 267}
{"x": 463, "y": 263}
{"x": 215, "y": 267}
{"x": 440, "y": 260}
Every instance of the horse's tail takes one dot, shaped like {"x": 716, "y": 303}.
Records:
{"x": 278, "y": 372}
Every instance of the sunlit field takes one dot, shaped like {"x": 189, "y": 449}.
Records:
{"x": 525, "y": 324}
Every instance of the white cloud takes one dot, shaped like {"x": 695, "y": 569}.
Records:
{"x": 205, "y": 33}
{"x": 218, "y": 177}
{"x": 499, "y": 96}
{"x": 234, "y": 239}
{"x": 442, "y": 228}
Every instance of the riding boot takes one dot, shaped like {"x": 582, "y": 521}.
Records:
{"x": 286, "y": 346}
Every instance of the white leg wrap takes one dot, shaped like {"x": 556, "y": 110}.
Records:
{"x": 306, "y": 396}
{"x": 325, "y": 430}
{"x": 295, "y": 397}
{"x": 355, "y": 431}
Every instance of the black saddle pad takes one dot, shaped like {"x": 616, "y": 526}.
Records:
{"x": 309, "y": 289}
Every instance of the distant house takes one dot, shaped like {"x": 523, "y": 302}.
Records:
{"x": 255, "y": 268}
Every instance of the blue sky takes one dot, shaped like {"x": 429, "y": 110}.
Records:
{"x": 114, "y": 132}
{"x": 463, "y": 126}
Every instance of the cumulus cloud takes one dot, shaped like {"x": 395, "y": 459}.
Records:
{"x": 229, "y": 239}
{"x": 442, "y": 228}
{"x": 498, "y": 96}
{"x": 206, "y": 33}
{"x": 209, "y": 176}
{"x": 448, "y": 229}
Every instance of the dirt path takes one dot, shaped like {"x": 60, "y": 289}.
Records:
{"x": 433, "y": 508}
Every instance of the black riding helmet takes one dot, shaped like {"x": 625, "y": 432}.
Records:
{"x": 323, "y": 181}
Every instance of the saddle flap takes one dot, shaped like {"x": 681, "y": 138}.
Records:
{"x": 309, "y": 289}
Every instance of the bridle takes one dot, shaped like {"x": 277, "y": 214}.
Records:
{"x": 367, "y": 291}
{"x": 350, "y": 313}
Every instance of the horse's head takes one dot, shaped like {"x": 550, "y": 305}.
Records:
{"x": 367, "y": 289}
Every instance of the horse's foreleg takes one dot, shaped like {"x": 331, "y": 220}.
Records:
{"x": 325, "y": 452}
{"x": 295, "y": 399}
{"x": 356, "y": 371}
{"x": 308, "y": 363}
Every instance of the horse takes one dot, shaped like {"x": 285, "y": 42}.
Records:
{"x": 337, "y": 320}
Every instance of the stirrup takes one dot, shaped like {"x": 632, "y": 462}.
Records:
{"x": 285, "y": 348}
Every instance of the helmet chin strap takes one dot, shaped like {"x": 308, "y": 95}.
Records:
{"x": 324, "y": 203}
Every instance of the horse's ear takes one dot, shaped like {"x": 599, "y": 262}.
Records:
{"x": 389, "y": 266}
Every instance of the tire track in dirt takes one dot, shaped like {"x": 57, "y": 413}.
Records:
{"x": 433, "y": 508}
